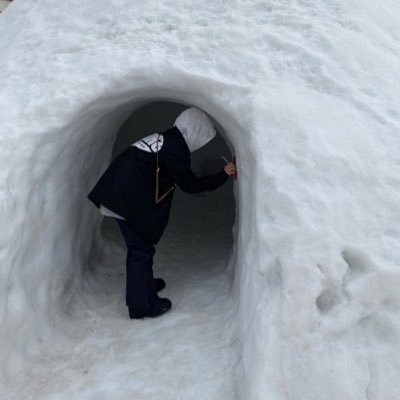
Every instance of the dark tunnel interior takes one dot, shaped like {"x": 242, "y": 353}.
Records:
{"x": 206, "y": 217}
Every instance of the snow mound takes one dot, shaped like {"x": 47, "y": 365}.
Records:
{"x": 307, "y": 94}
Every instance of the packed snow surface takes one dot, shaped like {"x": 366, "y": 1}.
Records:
{"x": 307, "y": 94}
{"x": 187, "y": 354}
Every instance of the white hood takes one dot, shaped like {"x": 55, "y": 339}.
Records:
{"x": 196, "y": 128}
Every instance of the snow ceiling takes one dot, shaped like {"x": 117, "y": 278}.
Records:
{"x": 307, "y": 94}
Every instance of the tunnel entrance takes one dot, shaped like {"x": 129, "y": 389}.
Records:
{"x": 196, "y": 245}
{"x": 207, "y": 217}
{"x": 198, "y": 238}
{"x": 195, "y": 337}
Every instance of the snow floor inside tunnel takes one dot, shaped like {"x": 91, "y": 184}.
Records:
{"x": 188, "y": 353}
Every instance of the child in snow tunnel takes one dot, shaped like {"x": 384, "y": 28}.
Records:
{"x": 137, "y": 190}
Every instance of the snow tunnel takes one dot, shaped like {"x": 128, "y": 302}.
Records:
{"x": 71, "y": 278}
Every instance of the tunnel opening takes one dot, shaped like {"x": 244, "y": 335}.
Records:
{"x": 193, "y": 257}
{"x": 199, "y": 237}
{"x": 209, "y": 214}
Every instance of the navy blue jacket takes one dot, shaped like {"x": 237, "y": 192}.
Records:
{"x": 127, "y": 187}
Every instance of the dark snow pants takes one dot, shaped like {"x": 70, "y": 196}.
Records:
{"x": 140, "y": 285}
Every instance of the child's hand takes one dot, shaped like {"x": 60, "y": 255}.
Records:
{"x": 230, "y": 169}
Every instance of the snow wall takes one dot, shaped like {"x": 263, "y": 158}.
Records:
{"x": 308, "y": 95}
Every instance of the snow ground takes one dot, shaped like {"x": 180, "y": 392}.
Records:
{"x": 188, "y": 353}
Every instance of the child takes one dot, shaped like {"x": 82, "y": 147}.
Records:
{"x": 137, "y": 190}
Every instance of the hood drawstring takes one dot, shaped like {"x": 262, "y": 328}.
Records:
{"x": 159, "y": 198}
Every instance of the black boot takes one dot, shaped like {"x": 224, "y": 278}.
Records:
{"x": 159, "y": 307}
{"x": 160, "y": 284}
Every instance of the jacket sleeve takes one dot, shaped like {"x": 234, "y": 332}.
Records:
{"x": 178, "y": 167}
